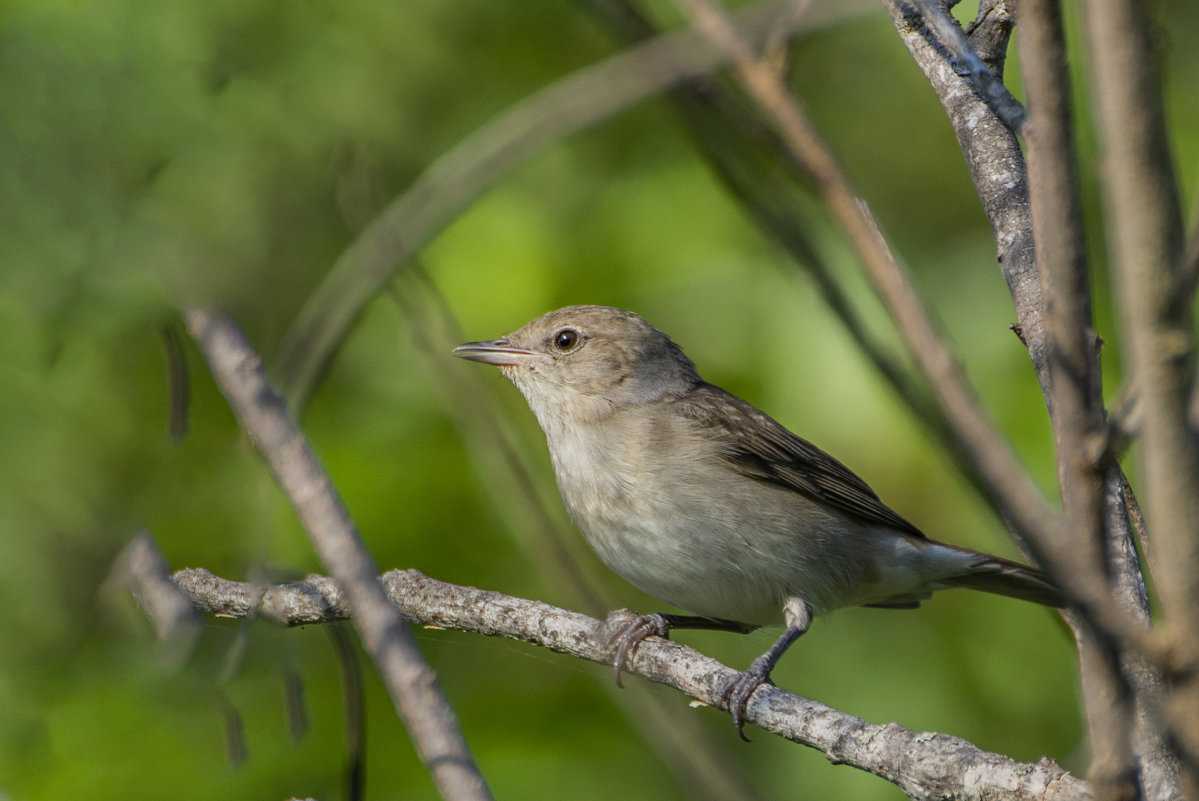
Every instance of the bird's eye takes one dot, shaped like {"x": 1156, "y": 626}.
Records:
{"x": 566, "y": 339}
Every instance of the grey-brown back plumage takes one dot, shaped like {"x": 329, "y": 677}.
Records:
{"x": 758, "y": 447}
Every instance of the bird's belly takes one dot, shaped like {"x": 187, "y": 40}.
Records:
{"x": 686, "y": 563}
{"x": 680, "y": 530}
{"x": 732, "y": 558}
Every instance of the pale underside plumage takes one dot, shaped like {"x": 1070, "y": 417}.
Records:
{"x": 660, "y": 495}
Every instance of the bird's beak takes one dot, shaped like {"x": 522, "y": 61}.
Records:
{"x": 498, "y": 352}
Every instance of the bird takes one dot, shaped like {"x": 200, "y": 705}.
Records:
{"x": 703, "y": 501}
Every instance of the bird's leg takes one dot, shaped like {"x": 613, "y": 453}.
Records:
{"x": 632, "y": 630}
{"x": 736, "y": 694}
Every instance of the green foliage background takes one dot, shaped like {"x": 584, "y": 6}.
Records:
{"x": 164, "y": 153}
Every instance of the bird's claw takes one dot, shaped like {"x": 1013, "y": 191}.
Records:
{"x": 736, "y": 694}
{"x": 624, "y": 640}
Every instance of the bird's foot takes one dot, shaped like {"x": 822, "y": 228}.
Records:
{"x": 629, "y": 632}
{"x": 736, "y": 693}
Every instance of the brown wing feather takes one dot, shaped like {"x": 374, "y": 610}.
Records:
{"x": 759, "y": 447}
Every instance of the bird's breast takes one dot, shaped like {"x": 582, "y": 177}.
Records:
{"x": 651, "y": 516}
{"x": 597, "y": 480}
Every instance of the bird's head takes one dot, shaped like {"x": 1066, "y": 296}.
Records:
{"x": 587, "y": 360}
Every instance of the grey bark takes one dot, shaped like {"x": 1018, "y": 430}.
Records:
{"x": 987, "y": 82}
{"x": 927, "y": 766}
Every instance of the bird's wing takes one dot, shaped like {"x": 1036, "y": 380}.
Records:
{"x": 758, "y": 447}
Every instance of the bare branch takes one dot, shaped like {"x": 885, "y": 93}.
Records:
{"x": 925, "y": 765}
{"x": 996, "y": 166}
{"x": 410, "y": 681}
{"x": 997, "y": 169}
{"x": 1146, "y": 241}
{"x": 1074, "y": 379}
{"x": 456, "y": 179}
{"x": 968, "y": 64}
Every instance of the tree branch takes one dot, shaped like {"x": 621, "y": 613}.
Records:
{"x": 993, "y": 156}
{"x": 968, "y": 64}
{"x": 410, "y": 681}
{"x": 1074, "y": 380}
{"x": 924, "y": 765}
{"x": 1146, "y": 241}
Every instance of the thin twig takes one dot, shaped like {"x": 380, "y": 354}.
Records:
{"x": 1075, "y": 381}
{"x": 1009, "y": 484}
{"x": 925, "y": 765}
{"x": 1146, "y": 242}
{"x": 461, "y": 175}
{"x": 294, "y": 702}
{"x": 410, "y": 681}
{"x": 764, "y": 199}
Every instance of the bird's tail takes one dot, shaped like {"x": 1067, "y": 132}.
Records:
{"x": 1000, "y": 576}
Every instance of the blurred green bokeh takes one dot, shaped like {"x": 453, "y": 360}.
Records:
{"x": 226, "y": 152}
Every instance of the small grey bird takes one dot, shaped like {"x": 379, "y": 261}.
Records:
{"x": 701, "y": 500}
